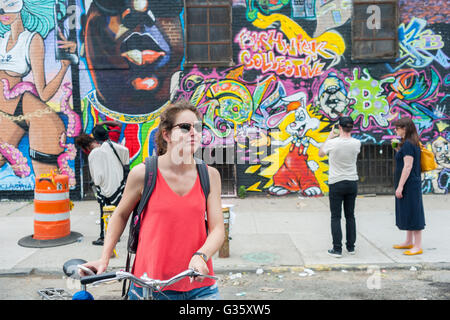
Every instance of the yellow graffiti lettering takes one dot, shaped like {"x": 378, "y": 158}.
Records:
{"x": 334, "y": 45}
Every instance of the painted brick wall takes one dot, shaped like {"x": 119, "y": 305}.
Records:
{"x": 293, "y": 75}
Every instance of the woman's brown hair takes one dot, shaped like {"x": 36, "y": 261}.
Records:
{"x": 410, "y": 130}
{"x": 167, "y": 121}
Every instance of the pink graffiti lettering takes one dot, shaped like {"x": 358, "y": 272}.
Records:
{"x": 268, "y": 51}
{"x": 281, "y": 65}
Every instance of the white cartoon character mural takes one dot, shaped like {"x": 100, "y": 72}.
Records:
{"x": 296, "y": 174}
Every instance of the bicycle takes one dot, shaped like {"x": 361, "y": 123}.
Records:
{"x": 148, "y": 285}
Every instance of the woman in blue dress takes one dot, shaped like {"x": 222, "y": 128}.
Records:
{"x": 409, "y": 213}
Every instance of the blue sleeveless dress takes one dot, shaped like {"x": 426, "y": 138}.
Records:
{"x": 409, "y": 213}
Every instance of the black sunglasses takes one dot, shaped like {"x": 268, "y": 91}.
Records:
{"x": 186, "y": 127}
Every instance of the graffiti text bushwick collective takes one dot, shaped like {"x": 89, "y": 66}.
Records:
{"x": 269, "y": 51}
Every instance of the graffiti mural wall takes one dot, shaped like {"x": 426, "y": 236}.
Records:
{"x": 292, "y": 78}
{"x": 37, "y": 121}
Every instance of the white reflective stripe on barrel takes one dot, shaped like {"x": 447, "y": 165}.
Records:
{"x": 51, "y": 196}
{"x": 52, "y": 216}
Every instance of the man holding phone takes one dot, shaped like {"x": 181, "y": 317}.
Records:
{"x": 343, "y": 151}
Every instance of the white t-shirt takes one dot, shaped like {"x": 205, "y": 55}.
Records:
{"x": 342, "y": 154}
{"x": 105, "y": 169}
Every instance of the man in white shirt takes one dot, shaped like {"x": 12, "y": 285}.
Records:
{"x": 106, "y": 169}
{"x": 343, "y": 151}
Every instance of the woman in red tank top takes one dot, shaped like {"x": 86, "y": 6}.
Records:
{"x": 173, "y": 236}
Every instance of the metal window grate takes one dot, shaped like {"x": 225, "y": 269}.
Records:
{"x": 208, "y": 33}
{"x": 228, "y": 177}
{"x": 376, "y": 169}
{"x": 374, "y": 35}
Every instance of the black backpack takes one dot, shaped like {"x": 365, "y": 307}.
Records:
{"x": 151, "y": 167}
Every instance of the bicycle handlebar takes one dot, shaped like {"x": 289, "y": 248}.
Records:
{"x": 144, "y": 280}
{"x": 97, "y": 277}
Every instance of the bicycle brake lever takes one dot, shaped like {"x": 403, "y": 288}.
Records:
{"x": 198, "y": 274}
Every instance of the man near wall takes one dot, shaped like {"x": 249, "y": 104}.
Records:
{"x": 104, "y": 167}
{"x": 342, "y": 151}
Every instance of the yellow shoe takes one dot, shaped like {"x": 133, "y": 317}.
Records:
{"x": 409, "y": 253}
{"x": 397, "y": 246}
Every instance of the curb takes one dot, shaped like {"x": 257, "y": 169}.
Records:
{"x": 266, "y": 269}
{"x": 15, "y": 272}
{"x": 337, "y": 267}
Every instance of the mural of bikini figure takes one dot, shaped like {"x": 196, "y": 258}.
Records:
{"x": 133, "y": 50}
{"x": 24, "y": 24}
{"x": 296, "y": 174}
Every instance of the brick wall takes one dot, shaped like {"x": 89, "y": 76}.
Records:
{"x": 291, "y": 76}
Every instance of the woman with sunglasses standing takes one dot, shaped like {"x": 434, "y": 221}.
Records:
{"x": 409, "y": 213}
{"x": 173, "y": 236}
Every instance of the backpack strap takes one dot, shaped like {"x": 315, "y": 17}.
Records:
{"x": 151, "y": 169}
{"x": 202, "y": 170}
{"x": 121, "y": 163}
{"x": 115, "y": 152}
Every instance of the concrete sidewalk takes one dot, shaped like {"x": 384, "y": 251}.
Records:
{"x": 267, "y": 232}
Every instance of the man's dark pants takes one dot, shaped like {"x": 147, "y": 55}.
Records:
{"x": 103, "y": 201}
{"x": 343, "y": 192}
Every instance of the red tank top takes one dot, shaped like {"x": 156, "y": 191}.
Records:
{"x": 172, "y": 230}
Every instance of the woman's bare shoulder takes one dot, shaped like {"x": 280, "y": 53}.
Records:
{"x": 137, "y": 174}
{"x": 214, "y": 174}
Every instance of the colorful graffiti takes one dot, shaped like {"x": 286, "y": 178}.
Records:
{"x": 291, "y": 79}
{"x": 235, "y": 110}
{"x": 438, "y": 181}
{"x": 331, "y": 43}
{"x": 269, "y": 52}
{"x": 37, "y": 121}
{"x": 331, "y": 95}
{"x": 369, "y": 103}
{"x": 419, "y": 46}
{"x": 327, "y": 14}
{"x": 132, "y": 59}
{"x": 412, "y": 86}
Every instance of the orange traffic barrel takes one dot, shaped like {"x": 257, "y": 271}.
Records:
{"x": 51, "y": 208}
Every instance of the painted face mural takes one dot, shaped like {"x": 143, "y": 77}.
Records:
{"x": 10, "y": 6}
{"x": 438, "y": 181}
{"x": 441, "y": 151}
{"x": 332, "y": 97}
{"x": 133, "y": 49}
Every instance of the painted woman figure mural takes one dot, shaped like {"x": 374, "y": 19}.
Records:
{"x": 24, "y": 24}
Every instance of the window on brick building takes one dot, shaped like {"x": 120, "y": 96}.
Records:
{"x": 374, "y": 30}
{"x": 208, "y": 35}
